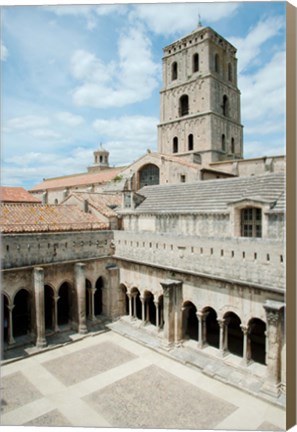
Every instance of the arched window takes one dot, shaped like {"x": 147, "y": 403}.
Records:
{"x": 223, "y": 142}
{"x": 196, "y": 62}
{"x": 225, "y": 106}
{"x": 251, "y": 222}
{"x": 149, "y": 175}
{"x": 175, "y": 145}
{"x": 230, "y": 72}
{"x": 217, "y": 63}
{"x": 190, "y": 142}
{"x": 174, "y": 71}
{"x": 232, "y": 146}
{"x": 184, "y": 105}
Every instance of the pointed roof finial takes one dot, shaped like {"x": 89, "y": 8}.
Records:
{"x": 199, "y": 20}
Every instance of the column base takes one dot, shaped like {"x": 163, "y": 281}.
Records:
{"x": 41, "y": 343}
{"x": 271, "y": 389}
{"x": 82, "y": 329}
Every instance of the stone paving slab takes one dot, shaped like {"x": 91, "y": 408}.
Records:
{"x": 52, "y": 418}
{"x": 16, "y": 391}
{"x": 154, "y": 398}
{"x": 88, "y": 362}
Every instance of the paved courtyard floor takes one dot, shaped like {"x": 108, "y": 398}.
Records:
{"x": 108, "y": 380}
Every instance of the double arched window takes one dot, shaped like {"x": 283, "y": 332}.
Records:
{"x": 174, "y": 71}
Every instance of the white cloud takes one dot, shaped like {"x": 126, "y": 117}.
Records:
{"x": 250, "y": 47}
{"x": 27, "y": 122}
{"x": 3, "y": 52}
{"x": 69, "y": 119}
{"x": 45, "y": 134}
{"x": 180, "y": 17}
{"x": 131, "y": 79}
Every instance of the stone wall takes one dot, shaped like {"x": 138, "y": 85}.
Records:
{"x": 20, "y": 250}
{"x": 257, "y": 261}
{"x": 212, "y": 224}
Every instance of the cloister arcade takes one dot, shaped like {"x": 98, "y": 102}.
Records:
{"x": 60, "y": 309}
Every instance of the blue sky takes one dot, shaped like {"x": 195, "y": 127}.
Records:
{"x": 75, "y": 76}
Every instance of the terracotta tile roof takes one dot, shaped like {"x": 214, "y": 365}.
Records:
{"x": 16, "y": 194}
{"x": 103, "y": 203}
{"x": 83, "y": 179}
{"x": 15, "y": 218}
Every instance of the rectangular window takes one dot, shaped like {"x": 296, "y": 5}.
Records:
{"x": 251, "y": 222}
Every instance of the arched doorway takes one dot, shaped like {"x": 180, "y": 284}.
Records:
{"x": 21, "y": 314}
{"x": 98, "y": 296}
{"x": 149, "y": 175}
{"x": 150, "y": 308}
{"x": 136, "y": 304}
{"x": 64, "y": 304}
{"x": 234, "y": 334}
{"x": 49, "y": 307}
{"x": 257, "y": 340}
{"x": 190, "y": 320}
{"x": 5, "y": 315}
{"x": 212, "y": 328}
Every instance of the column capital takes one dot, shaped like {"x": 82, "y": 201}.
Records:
{"x": 221, "y": 322}
{"x": 79, "y": 265}
{"x": 10, "y": 307}
{"x": 38, "y": 270}
{"x": 272, "y": 309}
{"x": 244, "y": 329}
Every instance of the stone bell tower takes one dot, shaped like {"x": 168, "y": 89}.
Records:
{"x": 100, "y": 160}
{"x": 200, "y": 100}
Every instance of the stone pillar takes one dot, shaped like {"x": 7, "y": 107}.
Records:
{"x": 142, "y": 299}
{"x": 130, "y": 305}
{"x": 222, "y": 336}
{"x": 147, "y": 318}
{"x": 80, "y": 286}
{"x": 134, "y": 295}
{"x": 272, "y": 382}
{"x": 113, "y": 292}
{"x": 157, "y": 314}
{"x": 11, "y": 340}
{"x": 172, "y": 291}
{"x": 55, "y": 322}
{"x": 200, "y": 315}
{"x": 39, "y": 305}
{"x": 92, "y": 309}
{"x": 245, "y": 355}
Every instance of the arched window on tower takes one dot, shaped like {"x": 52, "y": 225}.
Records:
{"x": 190, "y": 142}
{"x": 217, "y": 63}
{"x": 225, "y": 106}
{"x": 174, "y": 71}
{"x": 196, "y": 62}
{"x": 232, "y": 145}
{"x": 184, "y": 105}
{"x": 230, "y": 75}
{"x": 223, "y": 142}
{"x": 175, "y": 145}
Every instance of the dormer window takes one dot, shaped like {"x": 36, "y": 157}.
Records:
{"x": 251, "y": 222}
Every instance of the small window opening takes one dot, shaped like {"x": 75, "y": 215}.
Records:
{"x": 230, "y": 72}
{"x": 175, "y": 145}
{"x": 183, "y": 178}
{"x": 196, "y": 62}
{"x": 190, "y": 142}
{"x": 217, "y": 63}
{"x": 184, "y": 105}
{"x": 232, "y": 146}
{"x": 174, "y": 71}
{"x": 223, "y": 142}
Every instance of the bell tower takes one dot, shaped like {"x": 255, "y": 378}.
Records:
{"x": 200, "y": 100}
{"x": 100, "y": 160}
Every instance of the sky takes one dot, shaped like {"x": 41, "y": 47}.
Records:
{"x": 73, "y": 77}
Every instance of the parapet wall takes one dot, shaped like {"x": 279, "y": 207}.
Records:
{"x": 257, "y": 261}
{"x": 21, "y": 250}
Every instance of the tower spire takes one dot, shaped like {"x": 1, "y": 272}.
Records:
{"x": 199, "y": 21}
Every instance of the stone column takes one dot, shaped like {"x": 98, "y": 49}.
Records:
{"x": 11, "y": 340}
{"x": 222, "y": 337}
{"x": 130, "y": 305}
{"x": 147, "y": 317}
{"x": 273, "y": 378}
{"x": 200, "y": 315}
{"x": 142, "y": 299}
{"x": 157, "y": 314}
{"x": 245, "y": 355}
{"x": 114, "y": 292}
{"x": 39, "y": 304}
{"x": 134, "y": 295}
{"x": 172, "y": 291}
{"x": 56, "y": 327}
{"x": 80, "y": 286}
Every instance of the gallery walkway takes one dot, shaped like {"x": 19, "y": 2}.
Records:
{"x": 110, "y": 380}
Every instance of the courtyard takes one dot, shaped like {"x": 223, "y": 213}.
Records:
{"x": 107, "y": 380}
